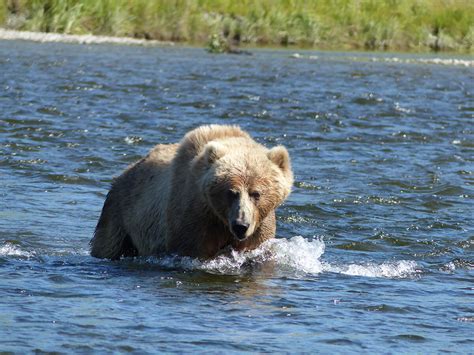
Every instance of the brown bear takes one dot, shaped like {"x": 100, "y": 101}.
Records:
{"x": 216, "y": 189}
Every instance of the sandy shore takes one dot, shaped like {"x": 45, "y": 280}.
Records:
{"x": 81, "y": 39}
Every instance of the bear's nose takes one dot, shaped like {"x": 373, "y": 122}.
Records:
{"x": 239, "y": 229}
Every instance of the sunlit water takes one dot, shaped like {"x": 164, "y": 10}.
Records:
{"x": 375, "y": 245}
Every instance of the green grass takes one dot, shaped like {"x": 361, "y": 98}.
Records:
{"x": 412, "y": 25}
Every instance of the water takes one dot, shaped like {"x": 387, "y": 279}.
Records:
{"x": 375, "y": 245}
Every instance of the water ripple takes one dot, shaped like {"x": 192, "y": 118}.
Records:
{"x": 381, "y": 148}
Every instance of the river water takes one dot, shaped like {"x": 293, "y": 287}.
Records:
{"x": 374, "y": 248}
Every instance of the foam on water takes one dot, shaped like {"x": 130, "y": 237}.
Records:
{"x": 438, "y": 61}
{"x": 395, "y": 269}
{"x": 9, "y": 249}
{"x": 435, "y": 61}
{"x": 294, "y": 256}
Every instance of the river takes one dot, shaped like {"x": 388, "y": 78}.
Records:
{"x": 375, "y": 246}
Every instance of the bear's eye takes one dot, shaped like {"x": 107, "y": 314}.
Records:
{"x": 231, "y": 194}
{"x": 255, "y": 195}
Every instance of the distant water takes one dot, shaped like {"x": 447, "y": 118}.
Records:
{"x": 375, "y": 247}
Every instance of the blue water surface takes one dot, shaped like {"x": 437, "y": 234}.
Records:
{"x": 374, "y": 248}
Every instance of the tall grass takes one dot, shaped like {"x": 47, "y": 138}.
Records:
{"x": 3, "y": 11}
{"x": 331, "y": 24}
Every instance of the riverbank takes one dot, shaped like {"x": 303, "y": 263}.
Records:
{"x": 43, "y": 37}
{"x": 402, "y": 25}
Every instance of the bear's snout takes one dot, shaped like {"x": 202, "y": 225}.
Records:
{"x": 239, "y": 229}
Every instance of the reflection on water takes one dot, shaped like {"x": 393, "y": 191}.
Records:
{"x": 375, "y": 245}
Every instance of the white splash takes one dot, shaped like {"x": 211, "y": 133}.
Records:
{"x": 9, "y": 249}
{"x": 298, "y": 254}
{"x": 132, "y": 139}
{"x": 294, "y": 256}
{"x": 396, "y": 269}
{"x": 401, "y": 109}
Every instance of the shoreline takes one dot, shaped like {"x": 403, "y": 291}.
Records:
{"x": 435, "y": 26}
{"x": 44, "y": 37}
{"x": 395, "y": 59}
{"x": 48, "y": 37}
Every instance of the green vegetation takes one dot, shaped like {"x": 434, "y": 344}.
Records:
{"x": 416, "y": 25}
{"x": 218, "y": 44}
{"x": 3, "y": 12}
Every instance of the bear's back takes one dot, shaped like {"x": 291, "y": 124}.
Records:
{"x": 193, "y": 142}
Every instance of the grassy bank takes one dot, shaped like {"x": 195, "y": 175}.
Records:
{"x": 413, "y": 25}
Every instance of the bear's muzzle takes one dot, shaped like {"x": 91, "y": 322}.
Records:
{"x": 239, "y": 229}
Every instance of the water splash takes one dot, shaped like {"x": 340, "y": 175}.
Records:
{"x": 133, "y": 139}
{"x": 9, "y": 249}
{"x": 294, "y": 256}
{"x": 395, "y": 269}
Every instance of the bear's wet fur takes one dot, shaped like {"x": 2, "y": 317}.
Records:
{"x": 216, "y": 189}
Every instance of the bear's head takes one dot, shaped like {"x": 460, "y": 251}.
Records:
{"x": 242, "y": 182}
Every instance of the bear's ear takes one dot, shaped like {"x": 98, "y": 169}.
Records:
{"x": 279, "y": 156}
{"x": 213, "y": 152}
